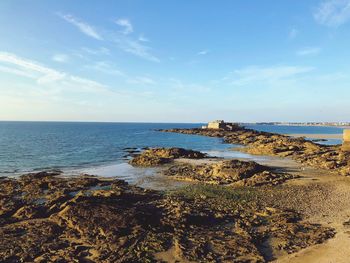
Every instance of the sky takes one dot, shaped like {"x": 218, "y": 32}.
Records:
{"x": 175, "y": 61}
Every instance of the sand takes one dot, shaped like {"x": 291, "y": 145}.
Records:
{"x": 330, "y": 210}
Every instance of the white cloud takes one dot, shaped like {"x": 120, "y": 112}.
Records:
{"x": 98, "y": 51}
{"x": 26, "y": 67}
{"x": 142, "y": 38}
{"x": 122, "y": 40}
{"x": 293, "y": 33}
{"x": 187, "y": 89}
{"x": 62, "y": 58}
{"x": 308, "y": 51}
{"x": 46, "y": 76}
{"x": 86, "y": 85}
{"x": 105, "y": 67}
{"x": 82, "y": 26}
{"x": 203, "y": 52}
{"x": 141, "y": 81}
{"x": 256, "y": 75}
{"x": 333, "y": 13}
{"x": 17, "y": 72}
{"x": 134, "y": 47}
{"x": 126, "y": 25}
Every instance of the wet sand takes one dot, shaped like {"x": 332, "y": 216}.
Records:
{"x": 331, "y": 209}
{"x": 328, "y": 207}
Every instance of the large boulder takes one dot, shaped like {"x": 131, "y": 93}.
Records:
{"x": 236, "y": 172}
{"x": 159, "y": 156}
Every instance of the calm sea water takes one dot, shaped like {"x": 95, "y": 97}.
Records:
{"x": 30, "y": 146}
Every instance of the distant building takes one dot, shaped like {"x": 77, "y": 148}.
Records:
{"x": 221, "y": 125}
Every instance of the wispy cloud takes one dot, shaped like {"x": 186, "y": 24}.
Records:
{"x": 187, "y": 89}
{"x": 134, "y": 47}
{"x": 26, "y": 67}
{"x": 14, "y": 71}
{"x": 126, "y": 25}
{"x": 308, "y": 51}
{"x": 82, "y": 26}
{"x": 62, "y": 58}
{"x": 106, "y": 67}
{"x": 142, "y": 81}
{"x": 123, "y": 40}
{"x": 256, "y": 75}
{"x": 293, "y": 33}
{"x": 333, "y": 13}
{"x": 203, "y": 52}
{"x": 98, "y": 51}
{"x": 142, "y": 38}
{"x": 44, "y": 75}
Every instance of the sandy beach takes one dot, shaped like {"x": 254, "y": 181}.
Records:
{"x": 323, "y": 199}
{"x": 331, "y": 209}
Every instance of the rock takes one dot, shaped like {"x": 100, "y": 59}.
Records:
{"x": 159, "y": 156}
{"x": 236, "y": 172}
{"x": 264, "y": 143}
{"x": 125, "y": 223}
{"x": 149, "y": 161}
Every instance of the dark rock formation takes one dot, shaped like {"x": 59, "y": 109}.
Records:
{"x": 300, "y": 149}
{"x": 46, "y": 218}
{"x": 228, "y": 172}
{"x": 159, "y": 156}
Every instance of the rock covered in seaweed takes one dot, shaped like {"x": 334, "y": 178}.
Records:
{"x": 228, "y": 172}
{"x": 159, "y": 156}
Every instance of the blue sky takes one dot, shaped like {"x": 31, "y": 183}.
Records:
{"x": 175, "y": 61}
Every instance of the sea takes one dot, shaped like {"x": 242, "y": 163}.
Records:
{"x": 102, "y": 148}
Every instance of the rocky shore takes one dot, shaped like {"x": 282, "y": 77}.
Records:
{"x": 233, "y": 210}
{"x": 230, "y": 172}
{"x": 159, "y": 156}
{"x": 263, "y": 143}
{"x": 45, "y": 217}
{"x": 223, "y": 172}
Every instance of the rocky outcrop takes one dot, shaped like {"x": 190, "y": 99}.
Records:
{"x": 159, "y": 156}
{"x": 233, "y": 172}
{"x": 46, "y": 218}
{"x": 264, "y": 143}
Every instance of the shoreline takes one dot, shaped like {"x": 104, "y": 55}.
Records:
{"x": 316, "y": 193}
{"x": 316, "y": 136}
{"x": 16, "y": 170}
{"x": 277, "y": 197}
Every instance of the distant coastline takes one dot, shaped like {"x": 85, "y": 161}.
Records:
{"x": 320, "y": 124}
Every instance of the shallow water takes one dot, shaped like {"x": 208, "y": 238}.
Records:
{"x": 35, "y": 146}
{"x": 30, "y": 146}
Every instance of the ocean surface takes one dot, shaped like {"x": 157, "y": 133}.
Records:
{"x": 34, "y": 146}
